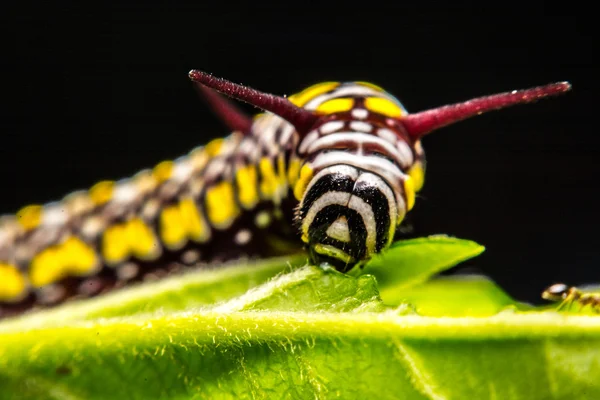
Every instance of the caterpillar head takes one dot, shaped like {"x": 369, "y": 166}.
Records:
{"x": 361, "y": 154}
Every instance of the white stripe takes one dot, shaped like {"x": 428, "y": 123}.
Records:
{"x": 330, "y": 127}
{"x": 406, "y": 152}
{"x": 308, "y": 139}
{"x": 376, "y": 181}
{"x": 361, "y": 126}
{"x": 336, "y": 169}
{"x": 366, "y": 212}
{"x": 330, "y": 141}
{"x": 327, "y": 199}
{"x": 181, "y": 170}
{"x": 387, "y": 134}
{"x": 125, "y": 192}
{"x": 359, "y": 113}
{"x": 380, "y": 166}
{"x": 247, "y": 146}
{"x": 286, "y": 134}
{"x": 403, "y": 147}
{"x": 55, "y": 214}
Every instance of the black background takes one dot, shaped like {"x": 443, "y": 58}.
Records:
{"x": 99, "y": 91}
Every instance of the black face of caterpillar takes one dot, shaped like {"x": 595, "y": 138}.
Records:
{"x": 346, "y": 216}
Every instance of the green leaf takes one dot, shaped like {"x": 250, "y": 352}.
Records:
{"x": 309, "y": 333}
{"x": 188, "y": 290}
{"x": 410, "y": 262}
{"x": 329, "y": 347}
{"x": 469, "y": 295}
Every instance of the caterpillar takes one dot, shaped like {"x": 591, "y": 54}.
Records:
{"x": 333, "y": 169}
{"x": 567, "y": 295}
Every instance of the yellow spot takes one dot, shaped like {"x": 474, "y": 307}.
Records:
{"x": 181, "y": 222}
{"x": 214, "y": 147}
{"x": 293, "y": 171}
{"x": 335, "y": 106}
{"x": 12, "y": 283}
{"x": 258, "y": 116}
{"x": 133, "y": 237}
{"x": 281, "y": 171}
{"x": 409, "y": 189}
{"x": 114, "y": 244}
{"x": 417, "y": 173}
{"x": 220, "y": 205}
{"x": 371, "y": 85}
{"x": 172, "y": 227}
{"x": 73, "y": 257}
{"x": 196, "y": 227}
{"x": 246, "y": 182}
{"x": 268, "y": 184}
{"x": 383, "y": 106}
{"x": 306, "y": 174}
{"x": 30, "y": 217}
{"x": 101, "y": 192}
{"x": 141, "y": 239}
{"x": 162, "y": 172}
{"x": 300, "y": 99}
{"x": 79, "y": 255}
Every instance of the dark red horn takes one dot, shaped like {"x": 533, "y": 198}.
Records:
{"x": 420, "y": 124}
{"x": 303, "y": 120}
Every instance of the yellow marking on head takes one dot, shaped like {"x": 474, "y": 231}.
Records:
{"x": 163, "y": 171}
{"x": 409, "y": 189}
{"x": 258, "y": 116}
{"x": 306, "y": 174}
{"x": 214, "y": 147}
{"x": 383, "y": 106}
{"x": 370, "y": 85}
{"x": 220, "y": 205}
{"x": 304, "y": 237}
{"x": 172, "y": 227}
{"x": 333, "y": 252}
{"x": 335, "y": 106}
{"x": 30, "y": 217}
{"x": 417, "y": 173}
{"x": 268, "y": 184}
{"x": 293, "y": 171}
{"x": 12, "y": 283}
{"x": 102, "y": 192}
{"x": 246, "y": 180}
{"x": 300, "y": 99}
{"x": 194, "y": 222}
{"x": 73, "y": 257}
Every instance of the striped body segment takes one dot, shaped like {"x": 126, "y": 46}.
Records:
{"x": 333, "y": 169}
{"x": 221, "y": 201}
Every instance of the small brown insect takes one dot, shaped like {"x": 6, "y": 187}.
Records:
{"x": 568, "y": 295}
